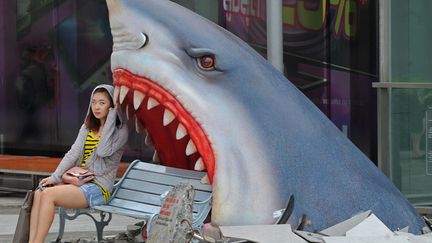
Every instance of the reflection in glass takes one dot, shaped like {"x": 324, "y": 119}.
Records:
{"x": 409, "y": 134}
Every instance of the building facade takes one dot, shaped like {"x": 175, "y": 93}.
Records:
{"x": 404, "y": 97}
{"x": 339, "y": 53}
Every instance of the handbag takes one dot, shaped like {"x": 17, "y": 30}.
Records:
{"x": 22, "y": 229}
{"x": 77, "y": 176}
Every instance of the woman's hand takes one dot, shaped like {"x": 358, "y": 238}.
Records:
{"x": 47, "y": 181}
{"x": 121, "y": 112}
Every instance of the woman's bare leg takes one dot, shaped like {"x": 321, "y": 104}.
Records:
{"x": 34, "y": 215}
{"x": 68, "y": 196}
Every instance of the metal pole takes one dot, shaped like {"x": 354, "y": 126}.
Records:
{"x": 383, "y": 94}
{"x": 274, "y": 33}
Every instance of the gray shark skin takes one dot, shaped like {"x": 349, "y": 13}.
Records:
{"x": 268, "y": 141}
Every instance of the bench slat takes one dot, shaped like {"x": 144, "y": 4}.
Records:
{"x": 127, "y": 212}
{"x": 123, "y": 211}
{"x": 197, "y": 175}
{"x": 165, "y": 179}
{"x": 158, "y": 189}
{"x": 146, "y": 198}
{"x": 140, "y": 197}
{"x": 145, "y": 186}
{"x": 145, "y": 208}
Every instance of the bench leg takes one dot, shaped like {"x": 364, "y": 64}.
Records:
{"x": 150, "y": 222}
{"x": 100, "y": 225}
{"x": 62, "y": 222}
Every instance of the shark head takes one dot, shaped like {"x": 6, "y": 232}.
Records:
{"x": 208, "y": 101}
{"x": 191, "y": 92}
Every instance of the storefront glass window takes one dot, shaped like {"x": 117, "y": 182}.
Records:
{"x": 411, "y": 108}
{"x": 329, "y": 54}
{"x": 52, "y": 54}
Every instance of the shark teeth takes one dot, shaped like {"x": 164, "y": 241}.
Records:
{"x": 205, "y": 180}
{"x": 130, "y": 112}
{"x": 156, "y": 157}
{"x": 147, "y": 140}
{"x": 190, "y": 148}
{"x": 123, "y": 92}
{"x": 138, "y": 99}
{"x": 199, "y": 165}
{"x": 168, "y": 117}
{"x": 139, "y": 128}
{"x": 127, "y": 112}
{"x": 167, "y": 113}
{"x": 116, "y": 94}
{"x": 181, "y": 132}
{"x": 151, "y": 103}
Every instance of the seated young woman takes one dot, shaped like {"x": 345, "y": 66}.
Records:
{"x": 98, "y": 148}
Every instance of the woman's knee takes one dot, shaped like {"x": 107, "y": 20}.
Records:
{"x": 47, "y": 195}
{"x": 37, "y": 196}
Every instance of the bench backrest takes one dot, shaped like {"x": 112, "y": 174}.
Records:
{"x": 142, "y": 185}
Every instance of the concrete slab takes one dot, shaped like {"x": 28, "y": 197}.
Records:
{"x": 341, "y": 228}
{"x": 415, "y": 238}
{"x": 419, "y": 239}
{"x": 406, "y": 238}
{"x": 371, "y": 226}
{"x": 310, "y": 237}
{"x": 371, "y": 239}
{"x": 263, "y": 233}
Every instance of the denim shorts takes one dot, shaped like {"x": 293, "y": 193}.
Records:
{"x": 93, "y": 194}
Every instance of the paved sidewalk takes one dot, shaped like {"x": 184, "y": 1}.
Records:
{"x": 82, "y": 227}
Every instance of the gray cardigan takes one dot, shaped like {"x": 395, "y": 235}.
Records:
{"x": 105, "y": 158}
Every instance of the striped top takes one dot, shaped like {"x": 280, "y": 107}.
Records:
{"x": 90, "y": 144}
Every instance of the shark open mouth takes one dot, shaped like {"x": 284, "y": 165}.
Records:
{"x": 177, "y": 137}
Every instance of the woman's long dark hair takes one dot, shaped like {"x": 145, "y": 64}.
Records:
{"x": 91, "y": 121}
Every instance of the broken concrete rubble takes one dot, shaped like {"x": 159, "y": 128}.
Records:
{"x": 362, "y": 228}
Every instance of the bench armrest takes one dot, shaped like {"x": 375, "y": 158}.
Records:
{"x": 204, "y": 209}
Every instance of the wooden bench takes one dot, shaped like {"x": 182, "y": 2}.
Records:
{"x": 22, "y": 173}
{"x": 138, "y": 195}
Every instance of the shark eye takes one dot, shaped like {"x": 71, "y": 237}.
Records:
{"x": 207, "y": 62}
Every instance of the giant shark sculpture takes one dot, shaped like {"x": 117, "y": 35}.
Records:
{"x": 209, "y": 102}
